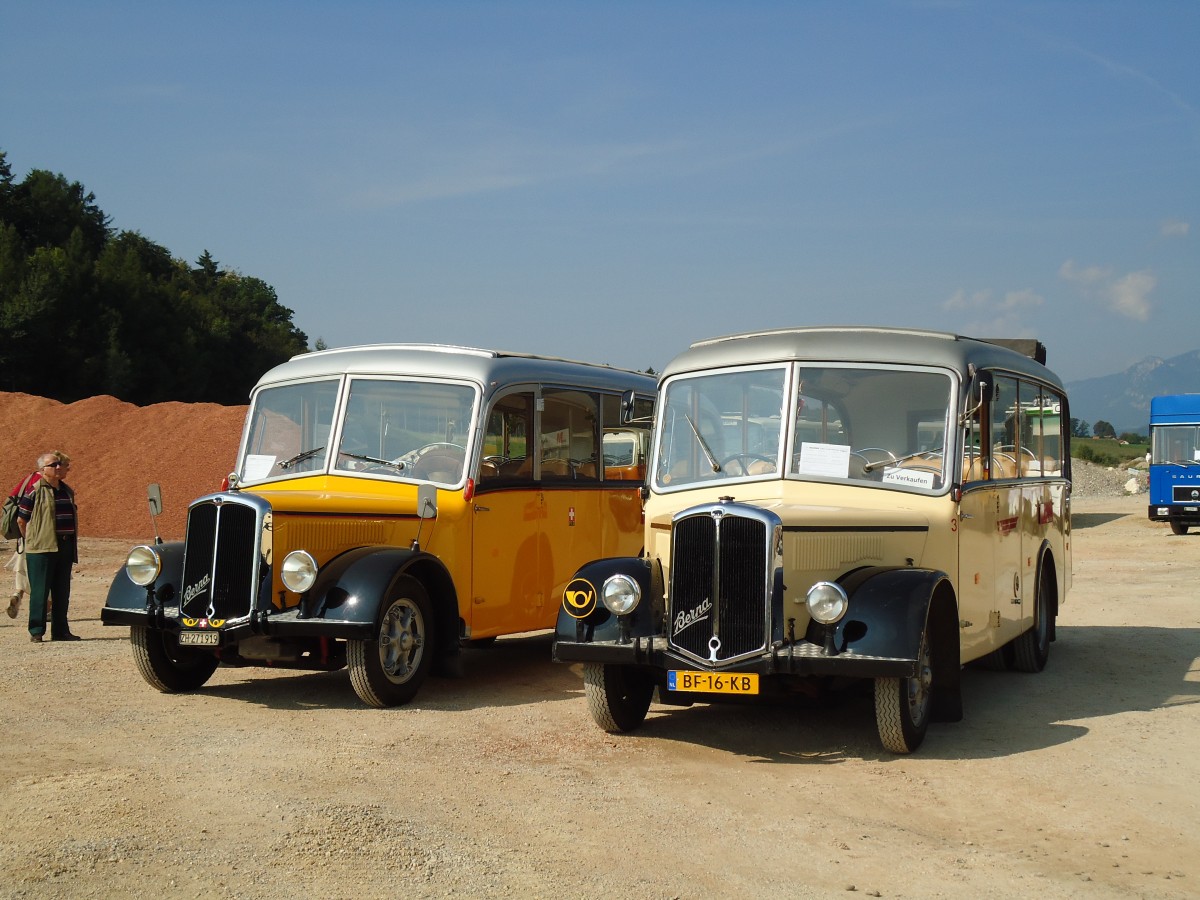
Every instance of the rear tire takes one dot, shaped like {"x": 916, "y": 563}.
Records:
{"x": 1031, "y": 649}
{"x": 165, "y": 665}
{"x": 388, "y": 670}
{"x": 618, "y": 697}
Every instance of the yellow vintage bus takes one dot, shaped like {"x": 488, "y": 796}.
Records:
{"x": 390, "y": 504}
{"x": 832, "y": 505}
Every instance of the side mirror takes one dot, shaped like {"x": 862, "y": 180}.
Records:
{"x": 427, "y": 501}
{"x": 426, "y": 509}
{"x": 627, "y": 404}
{"x": 154, "y": 498}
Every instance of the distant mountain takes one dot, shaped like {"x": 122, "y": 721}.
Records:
{"x": 1124, "y": 399}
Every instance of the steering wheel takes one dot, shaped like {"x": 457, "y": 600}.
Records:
{"x": 744, "y": 460}
{"x": 872, "y": 456}
{"x": 413, "y": 460}
{"x": 415, "y": 455}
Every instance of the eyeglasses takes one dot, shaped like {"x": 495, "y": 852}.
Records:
{"x": 53, "y": 465}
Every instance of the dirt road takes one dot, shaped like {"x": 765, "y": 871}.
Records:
{"x": 1081, "y": 781}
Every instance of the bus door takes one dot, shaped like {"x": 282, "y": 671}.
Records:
{"x": 509, "y": 592}
{"x": 1012, "y": 532}
{"x": 978, "y": 513}
{"x": 570, "y": 472}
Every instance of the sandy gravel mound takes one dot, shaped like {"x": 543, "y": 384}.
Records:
{"x": 117, "y": 449}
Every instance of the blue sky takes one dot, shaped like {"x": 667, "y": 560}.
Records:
{"x": 611, "y": 181}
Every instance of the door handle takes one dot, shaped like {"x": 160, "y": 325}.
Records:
{"x": 483, "y": 509}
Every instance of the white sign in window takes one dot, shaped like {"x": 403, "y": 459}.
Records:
{"x": 825, "y": 460}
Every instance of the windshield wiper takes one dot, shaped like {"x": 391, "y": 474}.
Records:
{"x": 712, "y": 460}
{"x": 394, "y": 463}
{"x": 300, "y": 457}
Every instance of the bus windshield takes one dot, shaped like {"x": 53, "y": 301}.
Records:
{"x": 406, "y": 429}
{"x": 887, "y": 426}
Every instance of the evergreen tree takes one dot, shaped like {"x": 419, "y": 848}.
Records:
{"x": 123, "y": 316}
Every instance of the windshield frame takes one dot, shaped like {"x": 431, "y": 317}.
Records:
{"x": 789, "y": 440}
{"x": 329, "y": 454}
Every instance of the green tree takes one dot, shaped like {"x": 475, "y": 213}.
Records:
{"x": 1103, "y": 429}
{"x": 1080, "y": 428}
{"x": 123, "y": 316}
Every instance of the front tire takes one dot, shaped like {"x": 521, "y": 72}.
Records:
{"x": 618, "y": 697}
{"x": 165, "y": 665}
{"x": 1178, "y": 527}
{"x": 388, "y": 670}
{"x": 903, "y": 705}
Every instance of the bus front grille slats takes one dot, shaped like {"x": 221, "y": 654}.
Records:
{"x": 220, "y": 561}
{"x": 718, "y": 574}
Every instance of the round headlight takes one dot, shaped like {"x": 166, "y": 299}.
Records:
{"x": 142, "y": 565}
{"x": 620, "y": 594}
{"x": 827, "y": 602}
{"x": 299, "y": 571}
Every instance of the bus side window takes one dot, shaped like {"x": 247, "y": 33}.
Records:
{"x": 567, "y": 440}
{"x": 505, "y": 443}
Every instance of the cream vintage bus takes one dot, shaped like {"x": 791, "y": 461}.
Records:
{"x": 828, "y": 504}
{"x": 391, "y": 503}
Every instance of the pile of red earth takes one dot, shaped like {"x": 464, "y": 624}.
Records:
{"x": 117, "y": 450}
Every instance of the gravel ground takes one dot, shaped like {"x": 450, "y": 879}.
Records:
{"x": 1079, "y": 781}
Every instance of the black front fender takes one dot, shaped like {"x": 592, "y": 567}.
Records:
{"x": 583, "y": 618}
{"x": 351, "y": 587}
{"x": 128, "y": 604}
{"x": 888, "y": 611}
{"x": 350, "y": 590}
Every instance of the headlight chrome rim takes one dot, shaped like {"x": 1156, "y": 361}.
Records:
{"x": 143, "y": 565}
{"x": 827, "y": 602}
{"x": 298, "y": 571}
{"x": 621, "y": 594}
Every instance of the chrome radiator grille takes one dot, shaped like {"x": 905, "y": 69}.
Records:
{"x": 221, "y": 559}
{"x": 721, "y": 573}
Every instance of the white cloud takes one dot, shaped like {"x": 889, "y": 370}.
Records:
{"x": 987, "y": 315}
{"x": 961, "y": 300}
{"x": 1174, "y": 228}
{"x": 1127, "y": 295}
{"x": 1016, "y": 300}
{"x": 1012, "y": 301}
{"x": 1090, "y": 275}
{"x": 502, "y": 163}
{"x": 1130, "y": 295}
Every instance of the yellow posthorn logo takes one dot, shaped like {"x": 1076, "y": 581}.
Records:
{"x": 579, "y": 599}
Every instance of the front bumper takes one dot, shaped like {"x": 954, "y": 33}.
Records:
{"x": 274, "y": 624}
{"x": 798, "y": 658}
{"x": 1166, "y": 512}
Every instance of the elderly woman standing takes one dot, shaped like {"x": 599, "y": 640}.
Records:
{"x": 47, "y": 519}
